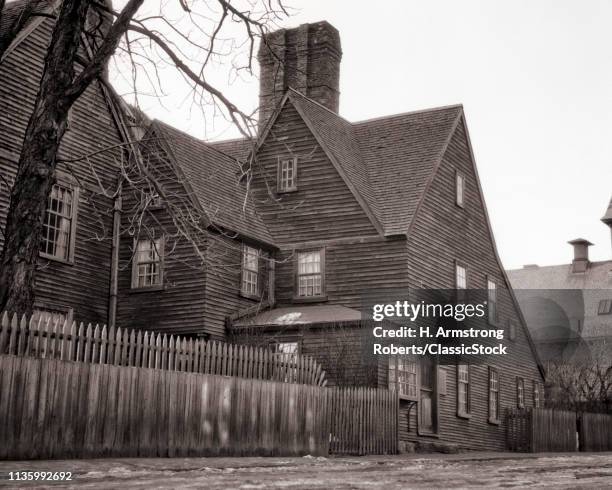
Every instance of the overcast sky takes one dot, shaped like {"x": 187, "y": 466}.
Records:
{"x": 534, "y": 77}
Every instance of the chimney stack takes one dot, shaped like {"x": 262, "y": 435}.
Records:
{"x": 581, "y": 254}
{"x": 307, "y": 59}
{"x": 607, "y": 218}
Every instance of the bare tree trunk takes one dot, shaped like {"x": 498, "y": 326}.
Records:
{"x": 36, "y": 171}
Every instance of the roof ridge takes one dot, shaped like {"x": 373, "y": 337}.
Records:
{"x": 209, "y": 144}
{"x": 291, "y": 89}
{"x": 409, "y": 113}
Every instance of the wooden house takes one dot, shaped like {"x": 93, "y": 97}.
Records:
{"x": 74, "y": 271}
{"x": 279, "y": 240}
{"x": 334, "y": 211}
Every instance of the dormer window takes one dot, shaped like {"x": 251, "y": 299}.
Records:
{"x": 287, "y": 174}
{"x": 459, "y": 189}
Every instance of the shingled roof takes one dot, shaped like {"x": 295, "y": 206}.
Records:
{"x": 386, "y": 162}
{"x": 214, "y": 178}
{"x": 594, "y": 285}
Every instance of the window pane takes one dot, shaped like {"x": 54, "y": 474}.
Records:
{"x": 57, "y": 226}
{"x": 461, "y": 277}
{"x": 148, "y": 262}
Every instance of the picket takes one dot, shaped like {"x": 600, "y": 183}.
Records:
{"x": 362, "y": 420}
{"x": 49, "y": 338}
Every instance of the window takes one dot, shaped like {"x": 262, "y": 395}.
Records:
{"x": 287, "y": 354}
{"x": 59, "y": 226}
{"x": 492, "y": 301}
{"x": 493, "y": 395}
{"x": 537, "y": 395}
{"x": 460, "y": 277}
{"x": 520, "y": 392}
{"x": 463, "y": 390}
{"x": 151, "y": 200}
{"x": 403, "y": 376}
{"x": 287, "y": 174}
{"x": 310, "y": 273}
{"x": 459, "y": 189}
{"x": 147, "y": 263}
{"x": 605, "y": 307}
{"x": 461, "y": 282}
{"x": 250, "y": 271}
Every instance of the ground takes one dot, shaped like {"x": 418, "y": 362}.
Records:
{"x": 468, "y": 470}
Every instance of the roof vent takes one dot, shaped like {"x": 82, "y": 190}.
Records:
{"x": 581, "y": 254}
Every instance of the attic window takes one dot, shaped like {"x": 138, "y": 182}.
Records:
{"x": 287, "y": 174}
{"x": 605, "y": 307}
{"x": 459, "y": 189}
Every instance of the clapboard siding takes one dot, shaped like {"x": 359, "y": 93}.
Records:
{"x": 351, "y": 270}
{"x": 323, "y": 207}
{"x": 83, "y": 286}
{"x": 443, "y": 233}
{"x": 223, "y": 282}
{"x": 179, "y": 306}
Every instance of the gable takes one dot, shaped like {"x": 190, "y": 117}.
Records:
{"x": 443, "y": 233}
{"x": 212, "y": 180}
{"x": 324, "y": 206}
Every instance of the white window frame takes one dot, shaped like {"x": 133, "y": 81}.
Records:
{"x": 520, "y": 392}
{"x": 404, "y": 377}
{"x": 463, "y": 385}
{"x": 492, "y": 301}
{"x": 249, "y": 281}
{"x": 494, "y": 395}
{"x": 283, "y": 183}
{"x": 537, "y": 395}
{"x": 459, "y": 189}
{"x": 65, "y": 183}
{"x": 299, "y": 275}
{"x": 158, "y": 244}
{"x": 459, "y": 283}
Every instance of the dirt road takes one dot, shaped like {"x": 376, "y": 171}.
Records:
{"x": 470, "y": 470}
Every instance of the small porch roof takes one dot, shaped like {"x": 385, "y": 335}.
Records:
{"x": 300, "y": 315}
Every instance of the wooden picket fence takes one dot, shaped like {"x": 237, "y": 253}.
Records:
{"x": 595, "y": 430}
{"x": 545, "y": 429}
{"x": 58, "y": 409}
{"x": 363, "y": 421}
{"x": 51, "y": 338}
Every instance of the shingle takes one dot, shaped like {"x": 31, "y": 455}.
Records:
{"x": 214, "y": 177}
{"x": 590, "y": 287}
{"x": 388, "y": 160}
{"x": 13, "y": 10}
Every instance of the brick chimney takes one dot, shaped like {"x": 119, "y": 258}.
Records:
{"x": 581, "y": 254}
{"x": 607, "y": 217}
{"x": 305, "y": 58}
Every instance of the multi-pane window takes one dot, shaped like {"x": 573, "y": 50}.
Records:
{"x": 250, "y": 271}
{"x": 459, "y": 189}
{"x": 287, "y": 174}
{"x": 605, "y": 307}
{"x": 461, "y": 283}
{"x": 493, "y": 395}
{"x": 492, "y": 301}
{"x": 463, "y": 389}
{"x": 460, "y": 277}
{"x": 147, "y": 266}
{"x": 310, "y": 273}
{"x": 520, "y": 392}
{"x": 537, "y": 395}
{"x": 403, "y": 376}
{"x": 287, "y": 355}
{"x": 58, "y": 227}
